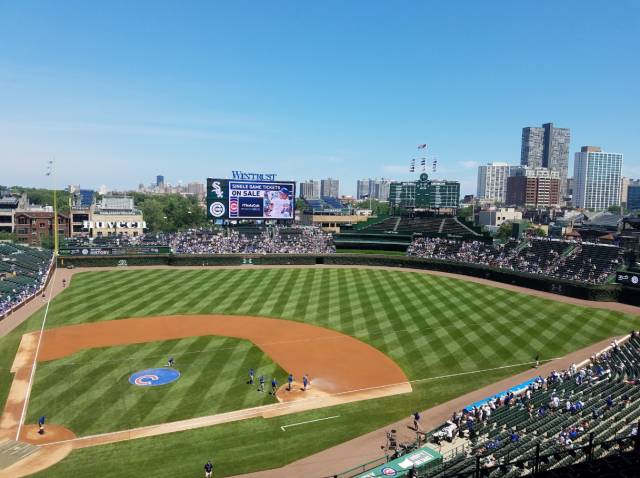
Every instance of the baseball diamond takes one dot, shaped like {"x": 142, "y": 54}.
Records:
{"x": 349, "y": 329}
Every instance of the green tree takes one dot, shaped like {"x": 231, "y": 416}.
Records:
{"x": 504, "y": 231}
{"x": 170, "y": 212}
{"x": 614, "y": 209}
{"x": 44, "y": 197}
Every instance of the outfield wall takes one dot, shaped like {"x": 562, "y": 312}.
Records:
{"x": 606, "y": 292}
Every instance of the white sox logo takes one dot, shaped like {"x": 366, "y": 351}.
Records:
{"x": 217, "y": 189}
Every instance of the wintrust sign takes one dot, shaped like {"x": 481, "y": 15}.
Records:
{"x": 114, "y": 225}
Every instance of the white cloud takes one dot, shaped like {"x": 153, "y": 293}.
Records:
{"x": 469, "y": 164}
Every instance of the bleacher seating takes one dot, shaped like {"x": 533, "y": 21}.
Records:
{"x": 23, "y": 270}
{"x": 604, "y": 400}
{"x": 568, "y": 260}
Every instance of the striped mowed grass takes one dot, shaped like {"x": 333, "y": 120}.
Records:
{"x": 431, "y": 326}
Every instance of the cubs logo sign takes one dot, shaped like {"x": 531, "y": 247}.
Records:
{"x": 154, "y": 377}
{"x": 217, "y": 209}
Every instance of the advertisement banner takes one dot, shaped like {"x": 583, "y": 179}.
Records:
{"x": 631, "y": 279}
{"x": 400, "y": 466}
{"x": 240, "y": 199}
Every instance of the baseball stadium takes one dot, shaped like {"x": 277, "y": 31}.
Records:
{"x": 258, "y": 347}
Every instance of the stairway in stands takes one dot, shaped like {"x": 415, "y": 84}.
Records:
{"x": 14, "y": 451}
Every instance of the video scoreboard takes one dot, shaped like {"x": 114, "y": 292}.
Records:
{"x": 248, "y": 199}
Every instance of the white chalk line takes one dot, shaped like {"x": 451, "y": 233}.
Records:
{"x": 284, "y": 427}
{"x": 35, "y": 357}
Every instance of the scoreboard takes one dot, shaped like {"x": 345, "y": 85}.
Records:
{"x": 246, "y": 199}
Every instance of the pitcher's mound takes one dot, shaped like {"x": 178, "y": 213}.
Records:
{"x": 52, "y": 433}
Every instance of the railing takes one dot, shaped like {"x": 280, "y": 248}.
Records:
{"x": 361, "y": 468}
{"x": 541, "y": 462}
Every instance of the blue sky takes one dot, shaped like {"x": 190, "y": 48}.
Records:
{"x": 121, "y": 91}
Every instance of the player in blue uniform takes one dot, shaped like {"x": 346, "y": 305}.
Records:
{"x": 252, "y": 374}
{"x": 416, "y": 421}
{"x": 41, "y": 424}
{"x": 274, "y": 386}
{"x": 290, "y": 381}
{"x": 170, "y": 362}
{"x": 208, "y": 469}
{"x": 261, "y": 389}
{"x": 305, "y": 382}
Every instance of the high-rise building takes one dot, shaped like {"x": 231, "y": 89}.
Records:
{"x": 373, "y": 189}
{"x": 633, "y": 196}
{"x": 196, "y": 188}
{"x": 363, "y": 188}
{"x": 533, "y": 187}
{"x": 159, "y": 181}
{"x": 310, "y": 189}
{"x": 624, "y": 186}
{"x": 330, "y": 188}
{"x": 547, "y": 147}
{"x": 492, "y": 181}
{"x": 597, "y": 178}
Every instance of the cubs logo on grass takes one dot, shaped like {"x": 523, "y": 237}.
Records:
{"x": 154, "y": 377}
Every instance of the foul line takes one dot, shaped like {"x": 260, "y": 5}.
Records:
{"x": 308, "y": 421}
{"x": 35, "y": 357}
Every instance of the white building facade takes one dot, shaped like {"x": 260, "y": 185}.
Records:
{"x": 492, "y": 182}
{"x": 597, "y": 177}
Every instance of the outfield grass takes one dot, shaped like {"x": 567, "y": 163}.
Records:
{"x": 96, "y": 395}
{"x": 432, "y": 326}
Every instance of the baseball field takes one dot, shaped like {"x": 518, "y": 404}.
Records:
{"x": 444, "y": 336}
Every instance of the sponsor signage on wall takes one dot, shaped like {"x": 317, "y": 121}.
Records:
{"x": 628, "y": 278}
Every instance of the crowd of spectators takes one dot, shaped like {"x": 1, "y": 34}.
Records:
{"x": 567, "y": 260}
{"x": 584, "y": 410}
{"x": 272, "y": 240}
{"x": 18, "y": 283}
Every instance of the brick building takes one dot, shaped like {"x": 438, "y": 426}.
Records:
{"x": 32, "y": 226}
{"x": 533, "y": 188}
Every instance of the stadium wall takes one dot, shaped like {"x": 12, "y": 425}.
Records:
{"x": 606, "y": 292}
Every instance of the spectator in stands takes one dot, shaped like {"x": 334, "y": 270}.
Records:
{"x": 589, "y": 263}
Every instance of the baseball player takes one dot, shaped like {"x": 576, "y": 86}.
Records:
{"x": 261, "y": 389}
{"x": 41, "y": 424}
{"x": 171, "y": 362}
{"x": 305, "y": 382}
{"x": 416, "y": 421}
{"x": 208, "y": 469}
{"x": 252, "y": 374}
{"x": 290, "y": 381}
{"x": 274, "y": 386}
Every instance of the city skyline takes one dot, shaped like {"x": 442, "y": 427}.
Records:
{"x": 214, "y": 88}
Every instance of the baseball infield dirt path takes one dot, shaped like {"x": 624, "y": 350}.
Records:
{"x": 342, "y": 369}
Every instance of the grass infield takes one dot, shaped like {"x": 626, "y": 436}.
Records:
{"x": 96, "y": 396}
{"x": 431, "y": 326}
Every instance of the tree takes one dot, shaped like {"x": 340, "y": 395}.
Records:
{"x": 504, "y": 231}
{"x": 614, "y": 209}
{"x": 44, "y": 197}
{"x": 170, "y": 212}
